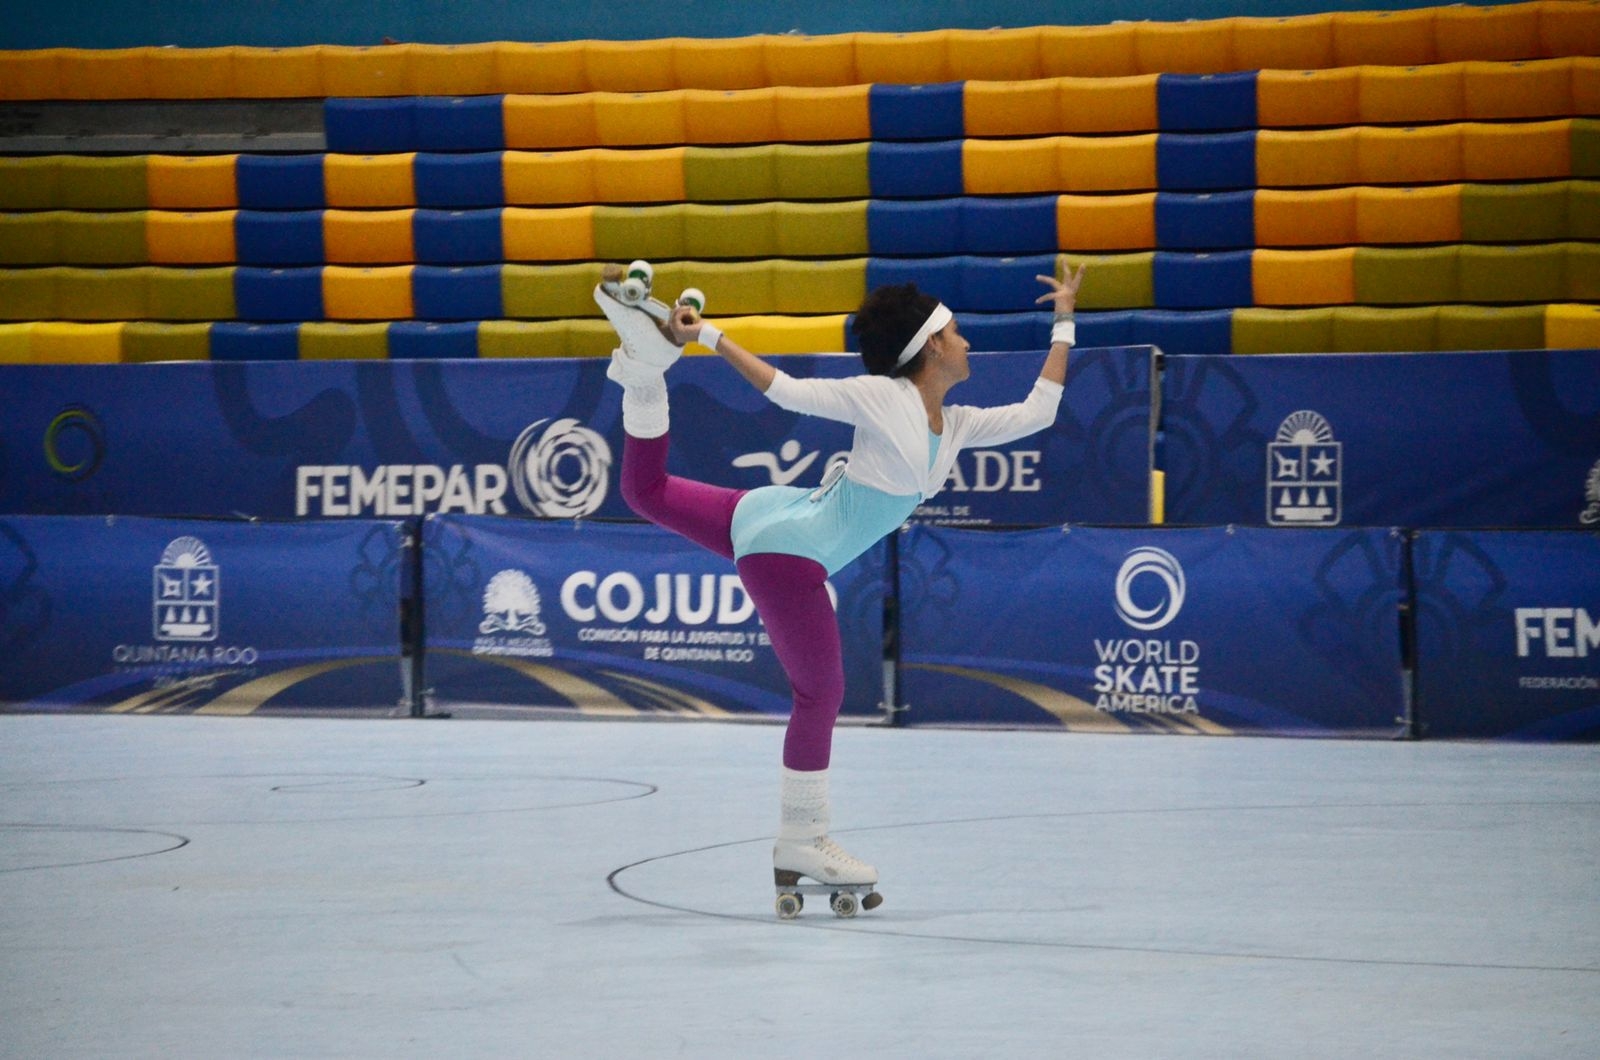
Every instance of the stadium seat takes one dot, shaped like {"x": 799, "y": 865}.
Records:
{"x": 1583, "y": 209}
{"x": 254, "y": 342}
{"x": 543, "y": 67}
{"x": 544, "y": 122}
{"x": 1202, "y": 281}
{"x": 1009, "y": 226}
{"x": 810, "y": 62}
{"x": 94, "y": 183}
{"x": 144, "y": 342}
{"x": 289, "y": 182}
{"x": 1572, "y": 327}
{"x": 367, "y": 293}
{"x": 1517, "y": 151}
{"x": 1409, "y": 215}
{"x": 544, "y": 338}
{"x": 457, "y": 237}
{"x": 103, "y": 74}
{"x": 1363, "y": 329}
{"x": 32, "y": 73}
{"x": 1569, "y": 29}
{"x": 276, "y": 73}
{"x": 459, "y": 293}
{"x": 774, "y": 334}
{"x": 995, "y": 332}
{"x": 629, "y": 119}
{"x": 837, "y": 171}
{"x": 29, "y": 294}
{"x": 415, "y": 340}
{"x": 1191, "y": 47}
{"x": 279, "y": 237}
{"x": 729, "y": 174}
{"x": 1497, "y": 91}
{"x": 1511, "y": 213}
{"x": 744, "y": 231}
{"x": 1585, "y": 148}
{"x": 15, "y": 339}
{"x": 115, "y": 238}
{"x": 1301, "y": 42}
{"x": 355, "y": 71}
{"x": 32, "y": 238}
{"x": 460, "y": 123}
{"x": 1109, "y": 163}
{"x": 1383, "y": 38}
{"x": 916, "y": 111}
{"x": 548, "y": 291}
{"x": 1407, "y": 276}
{"x": 549, "y": 178}
{"x": 734, "y": 287}
{"x": 1312, "y": 158}
{"x": 271, "y": 295}
{"x": 1471, "y": 327}
{"x": 191, "y": 238}
{"x": 1302, "y": 98}
{"x": 895, "y": 59}
{"x": 102, "y": 294}
{"x": 807, "y": 287}
{"x": 713, "y": 116}
{"x": 370, "y": 181}
{"x": 1507, "y": 32}
{"x": 1106, "y": 222}
{"x": 1581, "y": 271}
{"x": 1185, "y": 333}
{"x": 1206, "y": 162}
{"x": 1106, "y": 104}
{"x": 804, "y": 113}
{"x": 454, "y": 70}
{"x": 1010, "y": 167}
{"x": 1392, "y": 94}
{"x": 1415, "y": 155}
{"x": 191, "y": 294}
{"x": 1013, "y": 108}
{"x": 1302, "y": 277}
{"x": 1114, "y": 281}
{"x": 451, "y": 181}
{"x": 719, "y": 64}
{"x": 31, "y": 183}
{"x": 1206, "y": 102}
{"x": 368, "y": 237}
{"x": 640, "y": 176}
{"x": 191, "y": 182}
{"x": 924, "y": 227}
{"x": 59, "y": 342}
{"x": 1002, "y": 285}
{"x": 1296, "y": 218}
{"x": 654, "y": 233}
{"x": 993, "y": 54}
{"x": 1087, "y": 51}
{"x": 1207, "y": 221}
{"x": 343, "y": 342}
{"x": 915, "y": 171}
{"x": 370, "y": 126}
{"x": 1257, "y": 330}
{"x": 552, "y": 234}
{"x": 940, "y": 277}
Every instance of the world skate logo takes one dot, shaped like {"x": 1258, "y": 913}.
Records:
{"x": 1591, "y": 493}
{"x": 1156, "y": 566}
{"x": 560, "y": 471}
{"x": 1303, "y": 473}
{"x": 511, "y": 605}
{"x": 188, "y": 591}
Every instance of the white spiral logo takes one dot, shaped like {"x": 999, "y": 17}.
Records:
{"x": 563, "y": 472}
{"x": 1164, "y": 566}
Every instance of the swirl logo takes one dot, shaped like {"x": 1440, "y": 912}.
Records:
{"x": 74, "y": 443}
{"x": 1166, "y": 569}
{"x": 561, "y": 471}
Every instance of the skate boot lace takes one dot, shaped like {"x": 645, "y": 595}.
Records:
{"x": 837, "y": 854}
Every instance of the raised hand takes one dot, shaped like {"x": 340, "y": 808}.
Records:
{"x": 1063, "y": 293}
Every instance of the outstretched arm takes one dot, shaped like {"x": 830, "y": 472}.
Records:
{"x": 686, "y": 326}
{"x": 1063, "y": 296}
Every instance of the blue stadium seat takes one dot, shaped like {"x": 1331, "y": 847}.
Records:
{"x": 1208, "y": 332}
{"x": 1009, "y": 226}
{"x": 932, "y": 227}
{"x": 272, "y": 182}
{"x": 940, "y": 277}
{"x": 461, "y": 123}
{"x": 1205, "y": 221}
{"x": 1203, "y": 281}
{"x": 370, "y": 126}
{"x": 914, "y": 171}
{"x": 1206, "y": 102}
{"x": 414, "y": 340}
{"x": 1106, "y": 329}
{"x": 457, "y": 293}
{"x": 457, "y": 237}
{"x": 918, "y": 112}
{"x": 1205, "y": 162}
{"x": 277, "y": 294}
{"x": 992, "y": 332}
{"x": 268, "y": 237}
{"x": 255, "y": 342}
{"x": 1003, "y": 285}
{"x": 457, "y": 181}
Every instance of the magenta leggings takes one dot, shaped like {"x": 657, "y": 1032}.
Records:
{"x": 789, "y": 592}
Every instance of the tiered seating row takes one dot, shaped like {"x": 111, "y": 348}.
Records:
{"x": 1560, "y": 149}
{"x": 1447, "y": 213}
{"x": 1373, "y": 276}
{"x": 1372, "y": 95}
{"x": 1325, "y": 330}
{"x": 1543, "y": 29}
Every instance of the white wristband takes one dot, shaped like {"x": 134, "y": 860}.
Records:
{"x": 1064, "y": 331}
{"x": 710, "y": 335}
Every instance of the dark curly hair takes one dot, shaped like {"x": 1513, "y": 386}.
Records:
{"x": 886, "y": 321}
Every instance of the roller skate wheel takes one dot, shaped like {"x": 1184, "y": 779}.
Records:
{"x": 789, "y": 906}
{"x": 694, "y": 298}
{"x": 844, "y": 904}
{"x": 635, "y": 287}
{"x": 872, "y": 900}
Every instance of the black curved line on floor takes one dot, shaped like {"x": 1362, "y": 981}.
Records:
{"x": 182, "y": 841}
{"x": 645, "y": 790}
{"x": 858, "y": 926}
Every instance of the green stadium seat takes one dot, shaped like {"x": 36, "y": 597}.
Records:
{"x": 1472, "y": 327}
{"x": 1258, "y": 330}
{"x": 1364, "y": 329}
{"x": 1510, "y": 213}
{"x": 144, "y": 342}
{"x": 1406, "y": 275}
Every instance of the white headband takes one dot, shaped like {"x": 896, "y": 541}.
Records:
{"x": 936, "y": 320}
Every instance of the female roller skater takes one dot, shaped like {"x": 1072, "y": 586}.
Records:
{"x": 786, "y": 540}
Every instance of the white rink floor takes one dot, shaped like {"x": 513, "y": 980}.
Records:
{"x": 269, "y": 887}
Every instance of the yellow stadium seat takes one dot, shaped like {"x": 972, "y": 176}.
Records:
{"x": 902, "y": 58}
{"x": 191, "y": 182}
{"x": 1092, "y": 223}
{"x": 1087, "y": 51}
{"x": 548, "y": 67}
{"x": 369, "y": 180}
{"x": 1409, "y": 215}
{"x": 1013, "y": 108}
{"x": 549, "y": 177}
{"x": 560, "y": 234}
{"x": 1363, "y": 329}
{"x": 810, "y": 62}
{"x": 30, "y": 294}
{"x": 631, "y": 66}
{"x": 1510, "y": 31}
{"x": 368, "y": 237}
{"x": 15, "y": 340}
{"x": 1298, "y": 159}
{"x": 116, "y": 238}
{"x": 540, "y": 122}
{"x": 110, "y": 73}
{"x": 527, "y": 338}
{"x": 277, "y": 73}
{"x": 56, "y": 342}
{"x": 1106, "y": 104}
{"x": 1412, "y": 155}
{"x": 639, "y": 176}
{"x": 1323, "y": 217}
{"x": 1303, "y": 277}
{"x": 1121, "y": 281}
{"x": 381, "y": 70}
{"x": 102, "y": 294}
{"x": 1286, "y": 98}
{"x": 190, "y": 294}
{"x": 31, "y": 74}
{"x": 1197, "y": 47}
{"x": 30, "y": 183}
{"x": 1519, "y": 151}
{"x": 1010, "y": 167}
{"x": 1569, "y": 28}
{"x": 829, "y": 171}
{"x": 818, "y": 286}
{"x": 803, "y": 114}
{"x": 1257, "y": 330}
{"x": 1298, "y": 42}
{"x": 719, "y": 63}
{"x": 627, "y": 119}
{"x": 190, "y": 73}
{"x": 367, "y": 294}
{"x": 190, "y": 238}
{"x": 1383, "y": 38}
{"x": 745, "y": 231}
{"x": 549, "y": 291}
{"x": 820, "y": 229}
{"x": 774, "y": 334}
{"x": 978, "y": 55}
{"x": 147, "y": 343}
{"x": 716, "y": 116}
{"x": 454, "y": 70}
{"x": 1572, "y": 327}
{"x": 1110, "y": 163}
{"x": 1410, "y": 93}
{"x": 343, "y": 342}
{"x": 1517, "y": 90}
{"x": 32, "y": 238}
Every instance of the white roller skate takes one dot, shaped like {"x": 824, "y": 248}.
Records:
{"x": 804, "y": 851}
{"x": 623, "y": 295}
